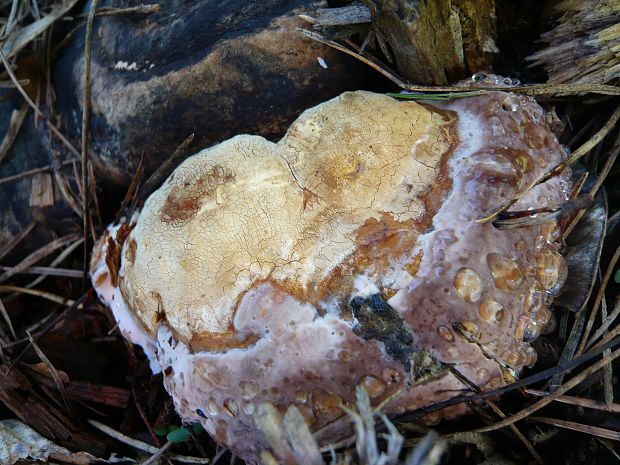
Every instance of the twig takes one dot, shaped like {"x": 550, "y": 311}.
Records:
{"x": 110, "y": 11}
{"x": 53, "y": 372}
{"x": 7, "y": 319}
{"x": 37, "y": 255}
{"x": 597, "y": 303}
{"x": 143, "y": 445}
{"x": 140, "y": 9}
{"x": 57, "y": 261}
{"x": 85, "y": 133}
{"x": 38, "y": 293}
{"x": 576, "y": 155}
{"x": 608, "y": 388}
{"x": 47, "y": 271}
{"x": 144, "y": 417}
{"x": 532, "y": 89}
{"x": 363, "y": 58}
{"x": 16, "y": 240}
{"x": 594, "y": 430}
{"x": 15, "y": 124}
{"x": 610, "y": 341}
{"x": 78, "y": 304}
{"x": 161, "y": 451}
{"x": 547, "y": 400}
{"x": 164, "y": 170}
{"x": 528, "y": 445}
{"x": 11, "y": 84}
{"x": 43, "y": 169}
{"x": 580, "y": 401}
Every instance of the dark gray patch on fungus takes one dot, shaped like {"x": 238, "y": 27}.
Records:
{"x": 378, "y": 320}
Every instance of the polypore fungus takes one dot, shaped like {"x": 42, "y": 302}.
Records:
{"x": 346, "y": 254}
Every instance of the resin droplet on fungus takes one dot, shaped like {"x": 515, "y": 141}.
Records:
{"x": 346, "y": 254}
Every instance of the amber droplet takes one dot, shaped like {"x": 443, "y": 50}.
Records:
{"x": 248, "y": 390}
{"x": 325, "y": 404}
{"x": 468, "y": 284}
{"x": 534, "y": 299}
{"x": 532, "y": 330}
{"x": 551, "y": 270}
{"x": 469, "y": 330}
{"x": 491, "y": 311}
{"x": 543, "y": 317}
{"x": 445, "y": 333}
{"x": 231, "y": 407}
{"x": 511, "y": 358}
{"x": 528, "y": 355}
{"x": 550, "y": 232}
{"x": 522, "y": 323}
{"x": 212, "y": 407}
{"x": 373, "y": 385}
{"x": 506, "y": 273}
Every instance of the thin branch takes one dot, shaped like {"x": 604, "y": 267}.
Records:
{"x": 32, "y": 172}
{"x": 53, "y": 372}
{"x": 593, "y": 430}
{"x": 578, "y": 379}
{"x": 579, "y": 401}
{"x": 143, "y": 445}
{"x": 15, "y": 124}
{"x": 556, "y": 170}
{"x": 85, "y": 132}
{"x": 16, "y": 240}
{"x": 37, "y": 293}
{"x": 47, "y": 271}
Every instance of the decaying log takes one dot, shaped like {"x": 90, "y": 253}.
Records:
{"x": 584, "y": 45}
{"x": 437, "y": 42}
{"x": 207, "y": 67}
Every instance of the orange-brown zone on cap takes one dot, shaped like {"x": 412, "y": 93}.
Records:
{"x": 469, "y": 295}
{"x": 325, "y": 191}
{"x": 185, "y": 200}
{"x": 113, "y": 250}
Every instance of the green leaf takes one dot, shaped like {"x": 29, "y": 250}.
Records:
{"x": 197, "y": 428}
{"x": 161, "y": 431}
{"x": 617, "y": 276}
{"x": 437, "y": 95}
{"x": 178, "y": 435}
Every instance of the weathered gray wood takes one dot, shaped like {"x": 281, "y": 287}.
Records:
{"x": 209, "y": 67}
{"x": 437, "y": 42}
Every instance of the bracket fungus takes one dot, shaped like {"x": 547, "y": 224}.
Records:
{"x": 348, "y": 253}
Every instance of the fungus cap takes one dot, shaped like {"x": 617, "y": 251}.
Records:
{"x": 346, "y": 254}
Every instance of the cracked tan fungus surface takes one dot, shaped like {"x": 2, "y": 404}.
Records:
{"x": 347, "y": 253}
